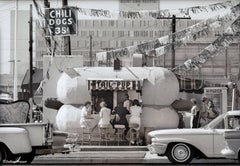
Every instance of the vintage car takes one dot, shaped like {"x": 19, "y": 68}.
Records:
{"x": 232, "y": 138}
{"x": 182, "y": 145}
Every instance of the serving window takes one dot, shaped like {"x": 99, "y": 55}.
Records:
{"x": 112, "y": 91}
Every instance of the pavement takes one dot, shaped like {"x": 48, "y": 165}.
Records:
{"x": 120, "y": 154}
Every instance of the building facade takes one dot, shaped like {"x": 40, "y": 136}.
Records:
{"x": 112, "y": 34}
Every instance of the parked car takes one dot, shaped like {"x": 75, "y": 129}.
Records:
{"x": 232, "y": 139}
{"x": 5, "y": 97}
{"x": 21, "y": 140}
{"x": 182, "y": 145}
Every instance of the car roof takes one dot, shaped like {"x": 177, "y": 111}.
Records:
{"x": 234, "y": 112}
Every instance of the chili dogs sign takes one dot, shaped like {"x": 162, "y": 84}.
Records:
{"x": 113, "y": 85}
{"x": 61, "y": 21}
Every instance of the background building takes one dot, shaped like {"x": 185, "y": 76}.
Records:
{"x": 112, "y": 34}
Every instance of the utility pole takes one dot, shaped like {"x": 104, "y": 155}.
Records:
{"x": 226, "y": 63}
{"x": 66, "y": 39}
{"x": 30, "y": 53}
{"x": 47, "y": 38}
{"x": 31, "y": 101}
{"x": 173, "y": 35}
{"x": 15, "y": 77}
{"x": 90, "y": 51}
{"x": 173, "y": 39}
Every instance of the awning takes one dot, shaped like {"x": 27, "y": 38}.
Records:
{"x": 194, "y": 85}
{"x": 37, "y": 77}
{"x": 113, "y": 84}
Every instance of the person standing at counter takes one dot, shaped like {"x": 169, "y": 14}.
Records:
{"x": 127, "y": 102}
{"x": 120, "y": 117}
{"x": 212, "y": 113}
{"x": 105, "y": 115}
{"x": 194, "y": 114}
{"x": 85, "y": 114}
{"x": 203, "y": 115}
{"x": 135, "y": 111}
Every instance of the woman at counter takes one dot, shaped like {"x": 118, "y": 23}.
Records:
{"x": 135, "y": 111}
{"x": 120, "y": 117}
{"x": 85, "y": 114}
{"x": 105, "y": 115}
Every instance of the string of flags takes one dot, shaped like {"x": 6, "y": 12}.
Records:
{"x": 161, "y": 46}
{"x": 184, "y": 12}
{"x": 51, "y": 48}
{"x": 216, "y": 47}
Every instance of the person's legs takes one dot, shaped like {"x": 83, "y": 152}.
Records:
{"x": 126, "y": 129}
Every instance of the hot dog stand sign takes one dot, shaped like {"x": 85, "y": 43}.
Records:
{"x": 61, "y": 21}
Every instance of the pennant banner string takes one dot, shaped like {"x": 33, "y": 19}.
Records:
{"x": 216, "y": 47}
{"x": 160, "y": 46}
{"x": 184, "y": 12}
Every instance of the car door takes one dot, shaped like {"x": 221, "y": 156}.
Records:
{"x": 218, "y": 142}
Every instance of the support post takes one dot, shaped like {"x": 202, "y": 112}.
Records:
{"x": 30, "y": 53}
{"x": 31, "y": 101}
{"x": 90, "y": 51}
{"x": 15, "y": 75}
{"x": 173, "y": 40}
{"x": 47, "y": 38}
{"x": 173, "y": 35}
{"x": 66, "y": 39}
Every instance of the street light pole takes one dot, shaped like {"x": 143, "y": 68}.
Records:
{"x": 30, "y": 53}
{"x": 15, "y": 79}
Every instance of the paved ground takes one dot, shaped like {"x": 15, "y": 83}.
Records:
{"x": 122, "y": 156}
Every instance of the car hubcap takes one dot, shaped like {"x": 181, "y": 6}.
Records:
{"x": 181, "y": 153}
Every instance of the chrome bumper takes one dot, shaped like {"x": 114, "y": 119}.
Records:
{"x": 228, "y": 153}
{"x": 157, "y": 148}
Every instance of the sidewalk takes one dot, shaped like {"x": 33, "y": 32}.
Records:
{"x": 101, "y": 154}
{"x": 120, "y": 154}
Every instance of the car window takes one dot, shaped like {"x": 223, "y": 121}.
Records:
{"x": 219, "y": 125}
{"x": 233, "y": 122}
{"x": 216, "y": 123}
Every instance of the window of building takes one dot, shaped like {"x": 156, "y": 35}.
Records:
{"x": 104, "y": 44}
{"x": 84, "y": 33}
{"x": 145, "y": 23}
{"x": 151, "y": 33}
{"x": 109, "y": 34}
{"x": 120, "y": 23}
{"x": 131, "y": 33}
{"x": 100, "y": 33}
{"x": 86, "y": 44}
{"x": 161, "y": 33}
{"x": 123, "y": 44}
{"x": 112, "y": 43}
{"x": 95, "y": 44}
{"x": 104, "y": 33}
{"x": 91, "y": 33}
{"x": 96, "y": 23}
{"x": 111, "y": 23}
{"x": 117, "y": 43}
{"x": 112, "y": 34}
{"x": 101, "y": 23}
{"x": 97, "y": 33}
{"x": 120, "y": 33}
{"x": 128, "y": 23}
